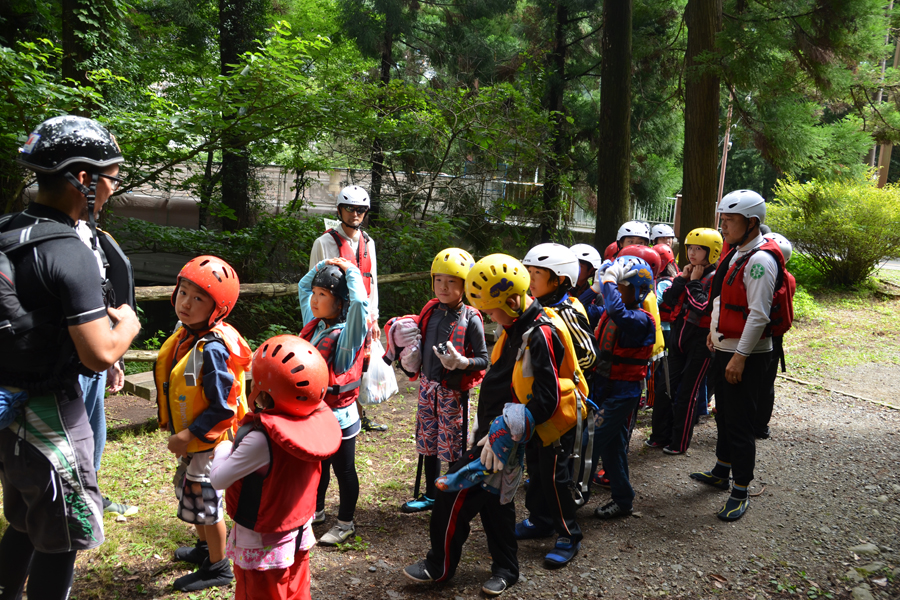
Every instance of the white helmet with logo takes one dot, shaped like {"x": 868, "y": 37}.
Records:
{"x": 786, "y": 248}
{"x": 743, "y": 202}
{"x": 557, "y": 258}
{"x": 354, "y": 196}
{"x": 634, "y": 229}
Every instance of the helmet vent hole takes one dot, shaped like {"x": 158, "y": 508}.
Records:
{"x": 297, "y": 369}
{"x": 287, "y": 357}
{"x": 264, "y": 350}
{"x": 276, "y": 350}
{"x": 217, "y": 276}
{"x": 204, "y": 263}
{"x": 301, "y": 384}
{"x": 543, "y": 258}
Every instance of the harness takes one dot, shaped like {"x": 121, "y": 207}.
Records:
{"x": 362, "y": 259}
{"x": 341, "y": 390}
{"x": 458, "y": 337}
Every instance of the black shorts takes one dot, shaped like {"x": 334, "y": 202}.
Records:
{"x": 47, "y": 471}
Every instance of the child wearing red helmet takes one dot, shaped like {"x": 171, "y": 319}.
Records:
{"x": 200, "y": 382}
{"x": 272, "y": 470}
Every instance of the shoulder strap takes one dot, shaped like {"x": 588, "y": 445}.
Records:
{"x": 15, "y": 239}
{"x": 195, "y": 359}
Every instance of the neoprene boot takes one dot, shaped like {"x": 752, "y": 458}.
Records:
{"x": 193, "y": 554}
{"x": 208, "y": 575}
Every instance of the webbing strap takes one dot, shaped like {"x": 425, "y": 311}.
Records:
{"x": 195, "y": 360}
{"x": 340, "y": 389}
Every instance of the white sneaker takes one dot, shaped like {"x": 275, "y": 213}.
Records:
{"x": 338, "y": 534}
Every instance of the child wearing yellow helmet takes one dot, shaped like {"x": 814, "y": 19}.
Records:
{"x": 444, "y": 348}
{"x": 532, "y": 363}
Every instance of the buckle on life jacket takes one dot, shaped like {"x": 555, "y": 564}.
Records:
{"x": 340, "y": 389}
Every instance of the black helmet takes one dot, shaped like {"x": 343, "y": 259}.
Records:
{"x": 332, "y": 278}
{"x": 63, "y": 141}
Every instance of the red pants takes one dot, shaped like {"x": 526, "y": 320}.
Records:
{"x": 284, "y": 584}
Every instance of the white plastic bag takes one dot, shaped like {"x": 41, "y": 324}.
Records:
{"x": 378, "y": 383}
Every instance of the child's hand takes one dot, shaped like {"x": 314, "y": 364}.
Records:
{"x": 686, "y": 272}
{"x": 178, "y": 443}
{"x": 697, "y": 273}
{"x": 342, "y": 263}
{"x": 452, "y": 360}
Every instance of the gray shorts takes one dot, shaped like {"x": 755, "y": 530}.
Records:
{"x": 199, "y": 503}
{"x": 47, "y": 471}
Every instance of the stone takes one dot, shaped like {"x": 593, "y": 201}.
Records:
{"x": 871, "y": 568}
{"x": 824, "y": 530}
{"x": 853, "y": 576}
{"x": 372, "y": 569}
{"x": 866, "y": 549}
{"x": 895, "y": 487}
{"x": 355, "y": 581}
{"x": 861, "y": 593}
{"x": 882, "y": 498}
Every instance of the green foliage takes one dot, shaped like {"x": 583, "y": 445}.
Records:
{"x": 805, "y": 306}
{"x": 805, "y": 272}
{"x": 844, "y": 227}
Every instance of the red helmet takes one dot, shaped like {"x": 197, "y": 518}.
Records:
{"x": 217, "y": 278}
{"x": 611, "y": 251}
{"x": 292, "y": 372}
{"x": 651, "y": 257}
{"x": 666, "y": 256}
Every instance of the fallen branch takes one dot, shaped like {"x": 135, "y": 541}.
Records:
{"x": 795, "y": 380}
{"x": 759, "y": 493}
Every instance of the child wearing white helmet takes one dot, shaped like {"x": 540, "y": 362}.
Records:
{"x": 764, "y": 410}
{"x": 633, "y": 233}
{"x": 662, "y": 234}
{"x": 589, "y": 260}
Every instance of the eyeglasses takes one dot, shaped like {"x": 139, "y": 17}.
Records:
{"x": 360, "y": 210}
{"x": 116, "y": 182}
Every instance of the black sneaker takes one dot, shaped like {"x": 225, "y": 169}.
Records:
{"x": 370, "y": 425}
{"x": 193, "y": 554}
{"x": 207, "y": 576}
{"x": 763, "y": 434}
{"x": 651, "y": 444}
{"x": 418, "y": 572}
{"x": 672, "y": 451}
{"x": 709, "y": 479}
{"x": 611, "y": 510}
{"x": 734, "y": 509}
{"x": 494, "y": 586}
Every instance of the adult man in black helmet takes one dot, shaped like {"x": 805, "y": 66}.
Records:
{"x": 50, "y": 495}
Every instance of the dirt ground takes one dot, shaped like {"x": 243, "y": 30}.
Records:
{"x": 828, "y": 480}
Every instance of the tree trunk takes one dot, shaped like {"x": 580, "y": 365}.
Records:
{"x": 614, "y": 156}
{"x": 241, "y": 23}
{"x": 701, "y": 118}
{"x": 75, "y": 50}
{"x": 377, "y": 144}
{"x": 556, "y": 86}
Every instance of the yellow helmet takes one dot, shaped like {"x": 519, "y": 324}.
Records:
{"x": 452, "y": 261}
{"x": 708, "y": 238}
{"x": 495, "y": 278}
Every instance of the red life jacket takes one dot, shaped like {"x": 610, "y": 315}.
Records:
{"x": 782, "y": 315}
{"x": 733, "y": 305}
{"x": 284, "y": 497}
{"x": 362, "y": 259}
{"x": 667, "y": 313}
{"x": 618, "y": 363}
{"x": 693, "y": 316}
{"x": 343, "y": 388}
{"x": 458, "y": 336}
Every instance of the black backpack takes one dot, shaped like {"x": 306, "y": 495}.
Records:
{"x": 32, "y": 352}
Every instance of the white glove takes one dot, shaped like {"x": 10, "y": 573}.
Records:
{"x": 453, "y": 359}
{"x": 488, "y": 458}
{"x": 595, "y": 287}
{"x": 612, "y": 274}
{"x": 411, "y": 358}
{"x": 404, "y": 332}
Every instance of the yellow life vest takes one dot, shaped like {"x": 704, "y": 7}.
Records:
{"x": 572, "y": 384}
{"x": 651, "y": 306}
{"x": 181, "y": 399}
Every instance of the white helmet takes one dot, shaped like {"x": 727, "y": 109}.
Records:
{"x": 744, "y": 202}
{"x": 588, "y": 254}
{"x": 354, "y": 196}
{"x": 783, "y": 243}
{"x": 661, "y": 230}
{"x": 555, "y": 257}
{"x": 635, "y": 229}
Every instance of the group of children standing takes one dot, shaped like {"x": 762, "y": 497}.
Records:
{"x": 584, "y": 341}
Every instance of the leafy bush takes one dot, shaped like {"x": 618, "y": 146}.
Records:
{"x": 805, "y": 272}
{"x": 844, "y": 227}
{"x": 806, "y": 308}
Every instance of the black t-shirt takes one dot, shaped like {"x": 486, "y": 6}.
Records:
{"x": 59, "y": 274}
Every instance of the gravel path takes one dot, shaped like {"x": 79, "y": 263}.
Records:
{"x": 825, "y": 525}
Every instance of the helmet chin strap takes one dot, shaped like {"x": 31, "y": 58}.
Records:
{"x": 747, "y": 233}
{"x": 91, "y": 194}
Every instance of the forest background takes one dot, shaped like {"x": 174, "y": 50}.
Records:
{"x": 608, "y": 105}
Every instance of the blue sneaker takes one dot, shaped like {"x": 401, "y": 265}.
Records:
{"x": 526, "y": 530}
{"x": 421, "y": 504}
{"x": 563, "y": 552}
